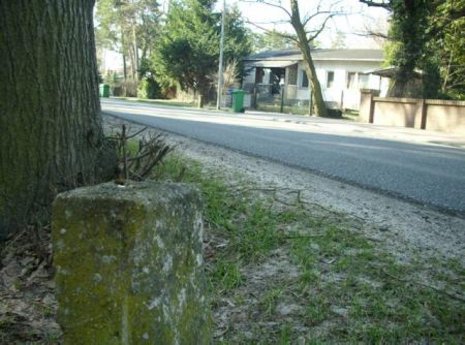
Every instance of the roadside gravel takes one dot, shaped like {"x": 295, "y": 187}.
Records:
{"x": 397, "y": 225}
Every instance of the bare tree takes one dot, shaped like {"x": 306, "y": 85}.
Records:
{"x": 307, "y": 28}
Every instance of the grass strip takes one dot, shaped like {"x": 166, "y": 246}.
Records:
{"x": 280, "y": 274}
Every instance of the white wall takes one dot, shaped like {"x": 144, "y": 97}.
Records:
{"x": 338, "y": 93}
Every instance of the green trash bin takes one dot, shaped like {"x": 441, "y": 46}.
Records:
{"x": 104, "y": 90}
{"x": 238, "y": 101}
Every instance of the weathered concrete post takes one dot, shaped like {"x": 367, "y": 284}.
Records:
{"x": 420, "y": 114}
{"x": 367, "y": 105}
{"x": 129, "y": 265}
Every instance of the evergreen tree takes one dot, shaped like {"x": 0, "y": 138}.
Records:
{"x": 129, "y": 27}
{"x": 238, "y": 39}
{"x": 409, "y": 39}
{"x": 427, "y": 35}
{"x": 188, "y": 51}
{"x": 448, "y": 31}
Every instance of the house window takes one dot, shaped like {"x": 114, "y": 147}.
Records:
{"x": 329, "y": 79}
{"x": 351, "y": 80}
{"x": 292, "y": 76}
{"x": 259, "y": 73}
{"x": 304, "y": 79}
{"x": 363, "y": 80}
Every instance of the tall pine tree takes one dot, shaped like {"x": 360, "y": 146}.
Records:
{"x": 188, "y": 48}
{"x": 188, "y": 51}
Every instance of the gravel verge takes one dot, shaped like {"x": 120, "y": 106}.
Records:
{"x": 399, "y": 226}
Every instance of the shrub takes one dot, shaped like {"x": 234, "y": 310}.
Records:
{"x": 149, "y": 88}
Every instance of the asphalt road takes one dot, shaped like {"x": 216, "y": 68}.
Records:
{"x": 411, "y": 164}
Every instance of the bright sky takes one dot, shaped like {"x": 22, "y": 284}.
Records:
{"x": 357, "y": 19}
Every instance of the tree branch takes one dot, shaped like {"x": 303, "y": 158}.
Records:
{"x": 136, "y": 134}
{"x": 330, "y": 13}
{"x": 307, "y": 19}
{"x": 268, "y": 31}
{"x": 369, "y": 33}
{"x": 387, "y": 5}
{"x": 319, "y": 30}
{"x": 269, "y": 4}
{"x": 454, "y": 85}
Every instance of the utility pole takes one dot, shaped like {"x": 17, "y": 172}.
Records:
{"x": 220, "y": 66}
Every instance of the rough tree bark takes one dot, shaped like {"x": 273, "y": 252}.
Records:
{"x": 50, "y": 120}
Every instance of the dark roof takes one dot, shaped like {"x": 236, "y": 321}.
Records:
{"x": 319, "y": 54}
{"x": 391, "y": 71}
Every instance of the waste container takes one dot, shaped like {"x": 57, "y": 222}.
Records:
{"x": 104, "y": 90}
{"x": 238, "y": 101}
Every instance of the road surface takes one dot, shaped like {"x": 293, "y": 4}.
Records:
{"x": 424, "y": 167}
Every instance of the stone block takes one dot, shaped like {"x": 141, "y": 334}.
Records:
{"x": 129, "y": 265}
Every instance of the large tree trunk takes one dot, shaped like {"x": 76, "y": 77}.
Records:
{"x": 318, "y": 101}
{"x": 50, "y": 120}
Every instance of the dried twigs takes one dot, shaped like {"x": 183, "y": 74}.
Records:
{"x": 137, "y": 159}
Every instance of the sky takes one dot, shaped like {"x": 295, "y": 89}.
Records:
{"x": 356, "y": 19}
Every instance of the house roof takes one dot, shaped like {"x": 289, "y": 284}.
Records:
{"x": 319, "y": 55}
{"x": 274, "y": 63}
{"x": 391, "y": 71}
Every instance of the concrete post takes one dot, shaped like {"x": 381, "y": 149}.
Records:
{"x": 421, "y": 113}
{"x": 367, "y": 105}
{"x": 129, "y": 267}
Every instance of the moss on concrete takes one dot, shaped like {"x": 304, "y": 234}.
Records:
{"x": 129, "y": 268}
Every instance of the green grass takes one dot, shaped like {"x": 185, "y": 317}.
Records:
{"x": 164, "y": 102}
{"x": 226, "y": 275}
{"x": 348, "y": 114}
{"x": 270, "y": 300}
{"x": 346, "y": 289}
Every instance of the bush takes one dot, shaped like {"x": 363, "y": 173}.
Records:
{"x": 334, "y": 113}
{"x": 126, "y": 88}
{"x": 130, "y": 86}
{"x": 149, "y": 88}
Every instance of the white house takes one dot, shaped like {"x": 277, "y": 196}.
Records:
{"x": 341, "y": 72}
